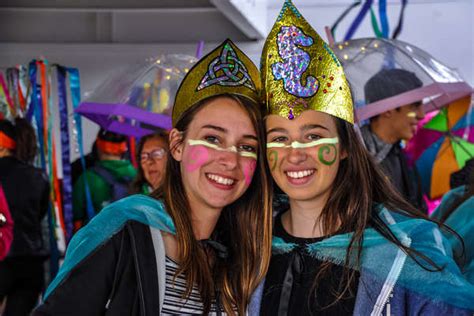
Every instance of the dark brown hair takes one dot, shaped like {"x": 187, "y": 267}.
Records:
{"x": 25, "y": 137}
{"x": 352, "y": 208}
{"x": 244, "y": 227}
{"x": 140, "y": 180}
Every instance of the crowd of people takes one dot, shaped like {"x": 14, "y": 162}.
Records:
{"x": 263, "y": 199}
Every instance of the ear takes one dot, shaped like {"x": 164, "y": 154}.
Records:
{"x": 343, "y": 154}
{"x": 176, "y": 144}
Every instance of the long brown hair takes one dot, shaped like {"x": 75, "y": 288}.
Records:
{"x": 244, "y": 227}
{"x": 352, "y": 208}
{"x": 140, "y": 180}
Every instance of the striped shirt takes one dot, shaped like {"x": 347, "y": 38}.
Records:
{"x": 174, "y": 304}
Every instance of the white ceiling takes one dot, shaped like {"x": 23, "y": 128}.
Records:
{"x": 131, "y": 21}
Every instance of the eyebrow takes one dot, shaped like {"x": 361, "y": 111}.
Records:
{"x": 223, "y": 130}
{"x": 307, "y": 127}
{"x": 303, "y": 128}
{"x": 277, "y": 130}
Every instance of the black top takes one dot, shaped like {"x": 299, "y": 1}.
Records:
{"x": 304, "y": 270}
{"x": 27, "y": 193}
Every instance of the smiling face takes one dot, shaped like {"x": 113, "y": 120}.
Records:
{"x": 217, "y": 155}
{"x": 303, "y": 154}
{"x": 153, "y": 161}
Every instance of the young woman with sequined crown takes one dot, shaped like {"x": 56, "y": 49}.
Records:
{"x": 345, "y": 242}
{"x": 202, "y": 245}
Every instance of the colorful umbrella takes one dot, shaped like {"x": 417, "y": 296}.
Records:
{"x": 443, "y": 145}
{"x": 138, "y": 98}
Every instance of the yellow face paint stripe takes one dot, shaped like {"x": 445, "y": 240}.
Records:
{"x": 297, "y": 144}
{"x": 233, "y": 149}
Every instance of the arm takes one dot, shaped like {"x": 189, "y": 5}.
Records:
{"x": 87, "y": 288}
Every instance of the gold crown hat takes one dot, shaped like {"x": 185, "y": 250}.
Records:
{"x": 224, "y": 70}
{"x": 300, "y": 71}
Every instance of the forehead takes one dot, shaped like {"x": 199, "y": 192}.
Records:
{"x": 223, "y": 112}
{"x": 307, "y": 118}
{"x": 154, "y": 142}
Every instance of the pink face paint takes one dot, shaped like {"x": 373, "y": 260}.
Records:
{"x": 249, "y": 169}
{"x": 197, "y": 156}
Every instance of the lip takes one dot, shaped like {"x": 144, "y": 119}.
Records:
{"x": 300, "y": 181}
{"x": 221, "y": 186}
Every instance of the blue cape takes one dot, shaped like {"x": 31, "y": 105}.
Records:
{"x": 106, "y": 224}
{"x": 386, "y": 262}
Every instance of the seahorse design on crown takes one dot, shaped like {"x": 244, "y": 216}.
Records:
{"x": 296, "y": 61}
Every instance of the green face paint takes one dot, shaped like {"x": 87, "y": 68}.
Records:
{"x": 327, "y": 149}
{"x": 273, "y": 157}
{"x": 233, "y": 149}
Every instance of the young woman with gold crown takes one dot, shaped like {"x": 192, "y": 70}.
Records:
{"x": 203, "y": 245}
{"x": 346, "y": 243}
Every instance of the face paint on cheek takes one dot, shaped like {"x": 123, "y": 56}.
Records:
{"x": 249, "y": 169}
{"x": 273, "y": 159}
{"x": 197, "y": 156}
{"x": 411, "y": 114}
{"x": 326, "y": 151}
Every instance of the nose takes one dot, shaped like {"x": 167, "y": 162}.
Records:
{"x": 420, "y": 112}
{"x": 229, "y": 159}
{"x": 296, "y": 155}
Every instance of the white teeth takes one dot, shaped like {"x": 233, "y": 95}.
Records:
{"x": 220, "y": 180}
{"x": 299, "y": 174}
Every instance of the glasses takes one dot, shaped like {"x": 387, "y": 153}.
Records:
{"x": 156, "y": 154}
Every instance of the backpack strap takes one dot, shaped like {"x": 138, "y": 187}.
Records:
{"x": 104, "y": 174}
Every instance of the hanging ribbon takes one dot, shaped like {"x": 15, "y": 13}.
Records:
{"x": 75, "y": 86}
{"x": 383, "y": 18}
{"x": 356, "y": 23}
{"x": 375, "y": 25}
{"x": 133, "y": 150}
{"x": 399, "y": 27}
{"x": 7, "y": 95}
{"x": 342, "y": 16}
{"x": 33, "y": 99}
{"x": 65, "y": 152}
{"x": 12, "y": 79}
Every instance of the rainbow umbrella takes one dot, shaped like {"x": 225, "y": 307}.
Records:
{"x": 443, "y": 145}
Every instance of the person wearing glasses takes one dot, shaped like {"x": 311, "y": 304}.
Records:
{"x": 152, "y": 157}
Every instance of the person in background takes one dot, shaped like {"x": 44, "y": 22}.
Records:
{"x": 457, "y": 212}
{"x": 152, "y": 155}
{"x": 26, "y": 191}
{"x": 108, "y": 180}
{"x": 90, "y": 159}
{"x": 385, "y": 132}
{"x": 6, "y": 225}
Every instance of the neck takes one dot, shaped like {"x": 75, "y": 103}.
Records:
{"x": 204, "y": 221}
{"x": 304, "y": 218}
{"x": 383, "y": 131}
{"x": 103, "y": 156}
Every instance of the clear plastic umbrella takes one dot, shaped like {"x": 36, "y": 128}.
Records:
{"x": 363, "y": 58}
{"x": 138, "y": 98}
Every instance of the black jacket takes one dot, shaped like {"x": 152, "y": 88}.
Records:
{"x": 119, "y": 278}
{"x": 27, "y": 192}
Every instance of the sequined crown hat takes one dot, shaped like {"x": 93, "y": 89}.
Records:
{"x": 300, "y": 71}
{"x": 224, "y": 70}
